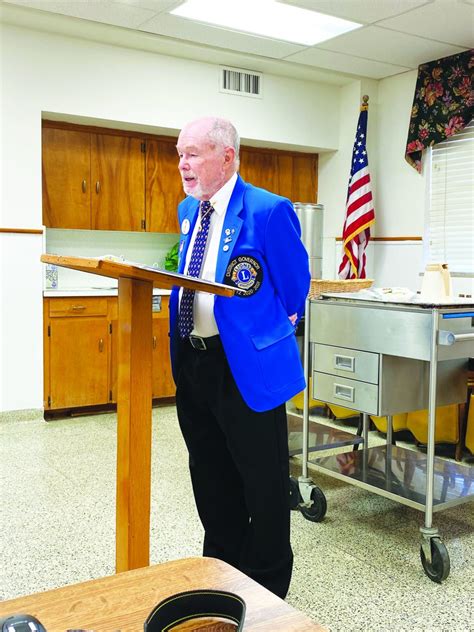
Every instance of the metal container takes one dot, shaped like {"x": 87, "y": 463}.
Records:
{"x": 311, "y": 220}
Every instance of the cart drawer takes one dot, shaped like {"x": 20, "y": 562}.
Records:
{"x": 354, "y": 394}
{"x": 350, "y": 363}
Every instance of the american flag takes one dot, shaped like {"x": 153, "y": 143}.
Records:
{"x": 359, "y": 207}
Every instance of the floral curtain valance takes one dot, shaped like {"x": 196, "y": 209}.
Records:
{"x": 443, "y": 103}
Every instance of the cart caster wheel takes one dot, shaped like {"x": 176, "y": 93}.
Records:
{"x": 295, "y": 496}
{"x": 317, "y": 510}
{"x": 440, "y": 565}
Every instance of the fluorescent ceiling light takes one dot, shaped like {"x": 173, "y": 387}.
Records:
{"x": 268, "y": 18}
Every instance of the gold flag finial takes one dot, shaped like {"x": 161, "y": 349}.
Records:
{"x": 365, "y": 103}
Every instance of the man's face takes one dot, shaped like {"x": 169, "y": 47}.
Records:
{"x": 204, "y": 168}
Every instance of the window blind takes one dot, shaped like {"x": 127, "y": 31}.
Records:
{"x": 450, "y": 230}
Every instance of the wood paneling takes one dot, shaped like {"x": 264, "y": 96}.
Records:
{"x": 66, "y": 178}
{"x": 22, "y": 231}
{"x": 164, "y": 190}
{"x": 118, "y": 176}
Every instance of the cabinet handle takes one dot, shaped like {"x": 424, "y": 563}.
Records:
{"x": 84, "y": 186}
{"x": 97, "y": 187}
{"x": 344, "y": 392}
{"x": 344, "y": 363}
{"x": 101, "y": 345}
{"x": 154, "y": 342}
{"x": 78, "y": 308}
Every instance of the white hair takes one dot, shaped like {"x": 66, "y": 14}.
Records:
{"x": 223, "y": 133}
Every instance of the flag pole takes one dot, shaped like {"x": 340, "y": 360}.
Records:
{"x": 359, "y": 204}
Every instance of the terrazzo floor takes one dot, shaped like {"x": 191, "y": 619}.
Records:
{"x": 359, "y": 569}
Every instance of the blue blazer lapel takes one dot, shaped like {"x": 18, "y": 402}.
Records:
{"x": 232, "y": 225}
{"x": 191, "y": 214}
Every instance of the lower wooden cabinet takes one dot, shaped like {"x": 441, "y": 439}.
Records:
{"x": 80, "y": 352}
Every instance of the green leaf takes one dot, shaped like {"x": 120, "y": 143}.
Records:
{"x": 171, "y": 259}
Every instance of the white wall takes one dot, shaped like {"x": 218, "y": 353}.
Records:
{"x": 44, "y": 72}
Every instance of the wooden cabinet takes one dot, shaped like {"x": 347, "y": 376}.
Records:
{"x": 80, "y": 352}
{"x": 291, "y": 174}
{"x": 77, "y": 353}
{"x": 163, "y": 384}
{"x": 164, "y": 189}
{"x": 66, "y": 178}
{"x": 93, "y": 180}
{"x": 111, "y": 180}
{"x": 118, "y": 182}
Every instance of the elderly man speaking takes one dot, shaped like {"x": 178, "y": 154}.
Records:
{"x": 236, "y": 360}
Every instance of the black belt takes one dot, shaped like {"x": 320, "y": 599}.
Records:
{"x": 205, "y": 344}
{"x": 195, "y": 604}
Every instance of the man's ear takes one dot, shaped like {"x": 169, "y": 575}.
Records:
{"x": 229, "y": 155}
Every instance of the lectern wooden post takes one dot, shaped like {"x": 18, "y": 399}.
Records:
{"x": 135, "y": 290}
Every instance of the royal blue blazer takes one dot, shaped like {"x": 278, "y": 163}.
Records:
{"x": 267, "y": 263}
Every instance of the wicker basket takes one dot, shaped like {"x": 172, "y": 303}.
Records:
{"x": 321, "y": 286}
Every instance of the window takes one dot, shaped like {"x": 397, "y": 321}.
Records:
{"x": 449, "y": 236}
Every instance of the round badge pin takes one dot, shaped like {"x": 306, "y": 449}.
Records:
{"x": 185, "y": 226}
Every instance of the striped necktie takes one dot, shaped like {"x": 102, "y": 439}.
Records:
{"x": 186, "y": 320}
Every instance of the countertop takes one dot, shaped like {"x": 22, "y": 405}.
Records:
{"x": 93, "y": 291}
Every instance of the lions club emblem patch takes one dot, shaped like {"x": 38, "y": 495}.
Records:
{"x": 245, "y": 274}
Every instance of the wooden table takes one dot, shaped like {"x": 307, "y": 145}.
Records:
{"x": 122, "y": 602}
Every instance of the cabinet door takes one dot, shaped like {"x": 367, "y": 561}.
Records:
{"x": 164, "y": 190}
{"x": 118, "y": 179}
{"x": 260, "y": 168}
{"x": 291, "y": 174}
{"x": 66, "y": 178}
{"x": 163, "y": 384}
{"x": 79, "y": 349}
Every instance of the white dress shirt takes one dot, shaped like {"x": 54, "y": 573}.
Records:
{"x": 204, "y": 322}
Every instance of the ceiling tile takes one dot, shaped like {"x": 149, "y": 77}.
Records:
{"x": 346, "y": 63}
{"x": 392, "y": 47}
{"x": 362, "y": 11}
{"x": 431, "y": 21}
{"x": 173, "y": 26}
{"x": 105, "y": 11}
{"x": 157, "y": 6}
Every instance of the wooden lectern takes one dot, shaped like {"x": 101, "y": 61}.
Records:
{"x": 135, "y": 291}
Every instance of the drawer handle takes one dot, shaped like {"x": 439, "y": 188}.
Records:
{"x": 101, "y": 345}
{"x": 84, "y": 186}
{"x": 97, "y": 187}
{"x": 78, "y": 308}
{"x": 344, "y": 363}
{"x": 154, "y": 342}
{"x": 344, "y": 392}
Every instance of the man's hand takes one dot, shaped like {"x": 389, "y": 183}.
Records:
{"x": 293, "y": 318}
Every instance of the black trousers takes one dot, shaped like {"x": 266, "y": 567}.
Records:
{"x": 238, "y": 460}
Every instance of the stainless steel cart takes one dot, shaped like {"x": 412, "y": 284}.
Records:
{"x": 381, "y": 358}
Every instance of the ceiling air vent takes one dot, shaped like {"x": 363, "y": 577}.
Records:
{"x": 243, "y": 82}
